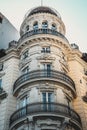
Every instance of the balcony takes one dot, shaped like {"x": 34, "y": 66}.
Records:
{"x": 40, "y": 75}
{"x": 42, "y": 31}
{"x": 48, "y": 109}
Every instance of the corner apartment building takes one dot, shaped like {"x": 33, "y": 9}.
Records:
{"x": 43, "y": 78}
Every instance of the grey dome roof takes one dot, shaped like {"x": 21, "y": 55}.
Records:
{"x": 42, "y": 9}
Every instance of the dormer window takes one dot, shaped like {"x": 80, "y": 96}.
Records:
{"x": 45, "y": 50}
{"x": 44, "y": 25}
{"x": 53, "y": 27}
{"x": 35, "y": 26}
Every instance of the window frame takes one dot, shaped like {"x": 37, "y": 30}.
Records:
{"x": 53, "y": 27}
{"x": 0, "y": 83}
{"x": 35, "y": 25}
{"x": 44, "y": 25}
{"x": 45, "y": 50}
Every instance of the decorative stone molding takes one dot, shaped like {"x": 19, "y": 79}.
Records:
{"x": 49, "y": 122}
{"x": 46, "y": 87}
{"x": 46, "y": 58}
{"x": 24, "y": 92}
{"x": 68, "y": 93}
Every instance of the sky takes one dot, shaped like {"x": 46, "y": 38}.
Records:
{"x": 73, "y": 13}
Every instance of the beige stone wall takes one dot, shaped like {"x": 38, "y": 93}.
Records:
{"x": 8, "y": 105}
{"x": 41, "y": 17}
{"x": 76, "y": 71}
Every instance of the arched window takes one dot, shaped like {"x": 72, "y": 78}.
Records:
{"x": 53, "y": 27}
{"x": 44, "y": 25}
{"x": 35, "y": 25}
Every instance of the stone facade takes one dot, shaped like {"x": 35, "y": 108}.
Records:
{"x": 43, "y": 77}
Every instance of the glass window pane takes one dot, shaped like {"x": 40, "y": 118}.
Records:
{"x": 35, "y": 26}
{"x": 0, "y": 83}
{"x": 44, "y": 25}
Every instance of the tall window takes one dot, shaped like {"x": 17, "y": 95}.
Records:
{"x": 0, "y": 83}
{"x": 23, "y": 102}
{"x": 44, "y": 25}
{"x": 47, "y": 98}
{"x": 35, "y": 26}
{"x": 1, "y": 67}
{"x": 47, "y": 70}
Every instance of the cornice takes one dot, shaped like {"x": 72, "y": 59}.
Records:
{"x": 9, "y": 56}
{"x": 44, "y": 37}
{"x": 76, "y": 56}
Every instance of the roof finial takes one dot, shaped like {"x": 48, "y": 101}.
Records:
{"x": 41, "y": 2}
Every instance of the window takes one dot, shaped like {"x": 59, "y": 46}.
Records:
{"x": 1, "y": 19}
{"x": 45, "y": 50}
{"x": 25, "y": 70}
{"x": 53, "y": 27}
{"x": 25, "y": 54}
{"x": 44, "y": 25}
{"x": 27, "y": 28}
{"x": 1, "y": 67}
{"x": 35, "y": 26}
{"x": 47, "y": 67}
{"x": 23, "y": 102}
{"x": 47, "y": 98}
{"x": 0, "y": 83}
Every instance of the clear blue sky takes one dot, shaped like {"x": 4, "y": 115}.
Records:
{"x": 73, "y": 13}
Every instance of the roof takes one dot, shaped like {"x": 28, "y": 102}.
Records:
{"x": 42, "y": 9}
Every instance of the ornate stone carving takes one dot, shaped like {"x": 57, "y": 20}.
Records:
{"x": 48, "y": 122}
{"x": 46, "y": 58}
{"x": 46, "y": 87}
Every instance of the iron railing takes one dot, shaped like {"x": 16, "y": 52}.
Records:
{"x": 42, "y": 31}
{"x": 52, "y": 108}
{"x": 39, "y": 74}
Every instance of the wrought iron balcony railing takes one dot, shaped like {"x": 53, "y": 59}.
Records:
{"x": 42, "y": 31}
{"x": 43, "y": 75}
{"x": 40, "y": 108}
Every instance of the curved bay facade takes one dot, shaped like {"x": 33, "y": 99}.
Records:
{"x": 44, "y": 91}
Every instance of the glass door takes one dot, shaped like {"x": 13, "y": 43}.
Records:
{"x": 47, "y": 70}
{"x": 47, "y": 99}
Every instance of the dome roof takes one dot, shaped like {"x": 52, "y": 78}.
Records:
{"x": 42, "y": 9}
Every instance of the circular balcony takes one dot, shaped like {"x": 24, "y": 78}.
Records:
{"x": 47, "y": 109}
{"x": 42, "y": 31}
{"x": 41, "y": 75}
